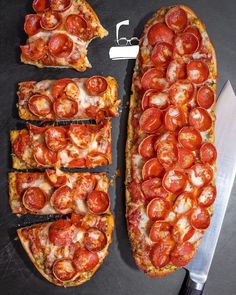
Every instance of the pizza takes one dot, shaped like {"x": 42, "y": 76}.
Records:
{"x": 68, "y": 99}
{"x": 59, "y": 33}
{"x": 68, "y": 146}
{"x": 67, "y": 252}
{"x": 58, "y": 192}
{"x": 170, "y": 153}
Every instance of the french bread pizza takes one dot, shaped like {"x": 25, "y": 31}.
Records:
{"x": 59, "y": 33}
{"x": 170, "y": 153}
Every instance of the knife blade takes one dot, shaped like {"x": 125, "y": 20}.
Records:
{"x": 225, "y": 131}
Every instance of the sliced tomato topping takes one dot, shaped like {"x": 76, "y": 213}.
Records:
{"x": 160, "y": 252}
{"x": 208, "y": 153}
{"x": 174, "y": 181}
{"x": 176, "y": 70}
{"x": 182, "y": 229}
{"x": 21, "y": 144}
{"x": 207, "y": 196}
{"x": 152, "y": 168}
{"x": 136, "y": 191}
{"x": 61, "y": 199}
{"x": 34, "y": 199}
{"x": 174, "y": 118}
{"x": 186, "y": 158}
{"x": 181, "y": 92}
{"x": 40, "y": 105}
{"x": 184, "y": 203}
{"x": 60, "y": 86}
{"x": 157, "y": 209}
{"x": 60, "y": 5}
{"x": 56, "y": 138}
{"x": 95, "y": 240}
{"x": 63, "y": 269}
{"x": 200, "y": 218}
{"x": 154, "y": 79}
{"x": 43, "y": 155}
{"x": 40, "y": 5}
{"x": 85, "y": 260}
{"x": 160, "y": 231}
{"x": 200, "y": 174}
{"x": 205, "y": 97}
{"x": 146, "y": 146}
{"x": 200, "y": 119}
{"x": 151, "y": 188}
{"x": 32, "y": 24}
{"x": 50, "y": 20}
{"x": 60, "y": 45}
{"x": 96, "y": 85}
{"x": 78, "y": 26}
{"x": 151, "y": 120}
{"x": 167, "y": 154}
{"x": 197, "y": 71}
{"x": 194, "y": 30}
{"x": 190, "y": 138}
{"x": 162, "y": 54}
{"x": 176, "y": 19}
{"x": 35, "y": 50}
{"x": 160, "y": 33}
{"x": 182, "y": 254}
{"x": 61, "y": 233}
{"x": 65, "y": 108}
{"x": 186, "y": 43}
{"x": 98, "y": 202}
{"x": 56, "y": 180}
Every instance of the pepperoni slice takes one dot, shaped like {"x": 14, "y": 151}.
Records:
{"x": 61, "y": 233}
{"x": 146, "y": 147}
{"x": 200, "y": 218}
{"x": 32, "y": 24}
{"x": 34, "y": 199}
{"x": 77, "y": 25}
{"x": 60, "y": 45}
{"x": 63, "y": 269}
{"x": 160, "y": 33}
{"x": 60, "y": 5}
{"x": 96, "y": 159}
{"x": 205, "y": 97}
{"x": 81, "y": 135}
{"x": 176, "y": 70}
{"x": 174, "y": 181}
{"x": 186, "y": 158}
{"x": 40, "y": 5}
{"x": 186, "y": 43}
{"x": 150, "y": 120}
{"x": 35, "y": 50}
{"x": 208, "y": 153}
{"x": 84, "y": 186}
{"x": 167, "y": 154}
{"x": 176, "y": 19}
{"x": 43, "y": 155}
{"x": 207, "y": 196}
{"x": 50, "y": 20}
{"x": 168, "y": 137}
{"x": 59, "y": 87}
{"x": 95, "y": 240}
{"x": 184, "y": 203}
{"x": 157, "y": 209}
{"x": 200, "y": 119}
{"x": 25, "y": 180}
{"x": 98, "y": 202}
{"x": 154, "y": 79}
{"x": 190, "y": 138}
{"x": 159, "y": 231}
{"x": 21, "y": 144}
{"x": 56, "y": 180}
{"x": 153, "y": 98}
{"x": 197, "y": 71}
{"x": 162, "y": 54}
{"x": 174, "y": 118}
{"x": 182, "y": 254}
{"x": 200, "y": 174}
{"x": 40, "y": 105}
{"x": 85, "y": 260}
{"x": 96, "y": 85}
{"x": 151, "y": 187}
{"x": 61, "y": 199}
{"x": 181, "y": 92}
{"x": 194, "y": 30}
{"x": 136, "y": 191}
{"x": 56, "y": 138}
{"x": 182, "y": 230}
{"x": 152, "y": 168}
{"x": 36, "y": 129}
{"x": 65, "y": 108}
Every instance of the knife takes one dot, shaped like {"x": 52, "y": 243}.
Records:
{"x": 225, "y": 143}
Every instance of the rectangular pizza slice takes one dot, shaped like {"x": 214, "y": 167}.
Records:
{"x": 69, "y": 146}
{"x": 68, "y": 99}
{"x": 59, "y": 34}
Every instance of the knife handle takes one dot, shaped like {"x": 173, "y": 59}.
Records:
{"x": 190, "y": 287}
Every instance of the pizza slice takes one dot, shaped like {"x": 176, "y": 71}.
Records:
{"x": 69, "y": 146}
{"x": 59, "y": 34}
{"x": 64, "y": 99}
{"x": 67, "y": 252}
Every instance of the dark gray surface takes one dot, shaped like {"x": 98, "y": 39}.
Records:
{"x": 118, "y": 275}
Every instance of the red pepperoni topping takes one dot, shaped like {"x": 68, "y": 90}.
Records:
{"x": 81, "y": 135}
{"x": 96, "y": 159}
{"x": 160, "y": 253}
{"x": 63, "y": 269}
{"x": 60, "y": 45}
{"x": 98, "y": 202}
{"x": 176, "y": 19}
{"x": 184, "y": 203}
{"x": 200, "y": 119}
{"x": 50, "y": 20}
{"x": 200, "y": 174}
{"x": 21, "y": 144}
{"x": 56, "y": 138}
{"x": 186, "y": 158}
{"x": 153, "y": 98}
{"x": 162, "y": 54}
{"x": 25, "y": 180}
{"x": 65, "y": 108}
{"x": 77, "y": 25}
{"x": 40, "y": 5}
{"x": 34, "y": 199}
{"x": 85, "y": 260}
{"x": 56, "y": 180}
{"x": 61, "y": 233}
{"x": 159, "y": 231}
{"x": 146, "y": 147}
{"x": 152, "y": 168}
{"x": 182, "y": 254}
{"x": 190, "y": 138}
{"x": 59, "y": 87}
{"x": 151, "y": 188}
{"x": 154, "y": 79}
{"x": 197, "y": 71}
{"x": 60, "y": 5}
{"x": 85, "y": 184}
{"x": 207, "y": 196}
{"x": 176, "y": 70}
{"x": 208, "y": 153}
{"x": 174, "y": 118}
{"x": 135, "y": 191}
{"x": 160, "y": 33}
{"x": 168, "y": 137}
{"x": 40, "y": 105}
{"x": 150, "y": 120}
{"x": 32, "y": 24}
{"x": 95, "y": 240}
{"x": 43, "y": 155}
{"x": 61, "y": 200}
{"x": 205, "y": 97}
{"x": 194, "y": 30}
{"x": 186, "y": 43}
{"x": 96, "y": 85}
{"x": 167, "y": 154}
{"x": 35, "y": 50}
{"x": 174, "y": 181}
{"x": 181, "y": 92}
{"x": 182, "y": 230}
{"x": 200, "y": 218}
{"x": 157, "y": 209}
